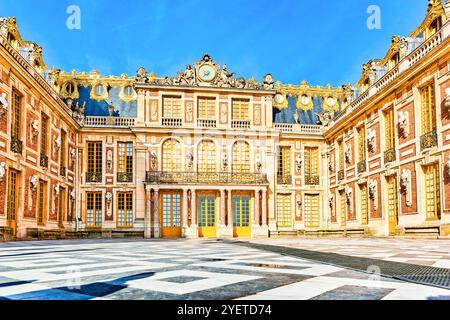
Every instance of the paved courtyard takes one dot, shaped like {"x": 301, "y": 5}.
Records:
{"x": 182, "y": 269}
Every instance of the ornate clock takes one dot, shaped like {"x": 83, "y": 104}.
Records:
{"x": 206, "y": 72}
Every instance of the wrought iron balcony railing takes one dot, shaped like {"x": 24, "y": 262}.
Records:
{"x": 62, "y": 171}
{"x": 341, "y": 175}
{"x": 93, "y": 177}
{"x": 361, "y": 166}
{"x": 158, "y": 177}
{"x": 284, "y": 179}
{"x": 389, "y": 156}
{"x": 43, "y": 161}
{"x": 428, "y": 140}
{"x": 124, "y": 177}
{"x": 16, "y": 145}
{"x": 312, "y": 180}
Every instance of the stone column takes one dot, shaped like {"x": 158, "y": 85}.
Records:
{"x": 193, "y": 209}
{"x": 185, "y": 212}
{"x": 230, "y": 210}
{"x": 256, "y": 213}
{"x": 156, "y": 233}
{"x": 148, "y": 203}
{"x": 222, "y": 208}
{"x": 264, "y": 208}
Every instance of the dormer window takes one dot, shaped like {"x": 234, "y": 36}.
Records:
{"x": 435, "y": 26}
{"x": 394, "y": 61}
{"x": 128, "y": 90}
{"x": 99, "y": 89}
{"x": 69, "y": 88}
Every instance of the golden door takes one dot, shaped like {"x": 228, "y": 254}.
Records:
{"x": 312, "y": 211}
{"x": 241, "y": 215}
{"x": 206, "y": 213}
{"x": 392, "y": 204}
{"x": 12, "y": 201}
{"x": 432, "y": 193}
{"x": 170, "y": 214}
{"x": 343, "y": 208}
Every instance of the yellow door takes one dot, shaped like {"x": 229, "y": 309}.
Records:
{"x": 241, "y": 216}
{"x": 206, "y": 209}
{"x": 392, "y": 204}
{"x": 312, "y": 211}
{"x": 364, "y": 207}
{"x": 170, "y": 214}
{"x": 343, "y": 208}
{"x": 432, "y": 196}
{"x": 12, "y": 201}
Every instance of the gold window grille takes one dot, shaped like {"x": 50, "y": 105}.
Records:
{"x": 428, "y": 109}
{"x": 389, "y": 129}
{"x": 44, "y": 134}
{"x": 42, "y": 205}
{"x": 284, "y": 161}
{"x": 125, "y": 161}
{"x": 312, "y": 161}
{"x": 172, "y": 107}
{"x": 95, "y": 157}
{"x": 284, "y": 210}
{"x": 94, "y": 209}
{"x": 240, "y": 110}
{"x": 12, "y": 196}
{"x": 207, "y": 108}
{"x": 241, "y": 211}
{"x": 362, "y": 144}
{"x": 16, "y": 115}
{"x": 207, "y": 157}
{"x": 312, "y": 211}
{"x": 172, "y": 156}
{"x": 124, "y": 209}
{"x": 241, "y": 157}
{"x": 364, "y": 204}
{"x": 432, "y": 192}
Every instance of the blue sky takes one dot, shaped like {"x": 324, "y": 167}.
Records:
{"x": 322, "y": 42}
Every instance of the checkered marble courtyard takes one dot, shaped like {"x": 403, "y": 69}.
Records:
{"x": 182, "y": 269}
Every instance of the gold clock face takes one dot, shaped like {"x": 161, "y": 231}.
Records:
{"x": 207, "y": 72}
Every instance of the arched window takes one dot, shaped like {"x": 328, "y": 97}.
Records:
{"x": 207, "y": 157}
{"x": 241, "y": 157}
{"x": 171, "y": 161}
{"x": 128, "y": 90}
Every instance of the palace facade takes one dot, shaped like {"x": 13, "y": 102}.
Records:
{"x": 209, "y": 154}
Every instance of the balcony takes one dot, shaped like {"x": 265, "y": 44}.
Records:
{"x": 171, "y": 122}
{"x": 153, "y": 177}
{"x": 428, "y": 140}
{"x": 361, "y": 166}
{"x": 298, "y": 128}
{"x": 240, "y": 124}
{"x": 284, "y": 179}
{"x": 43, "y": 161}
{"x": 16, "y": 145}
{"x": 93, "y": 177}
{"x": 124, "y": 177}
{"x": 389, "y": 156}
{"x": 62, "y": 171}
{"x": 312, "y": 180}
{"x": 93, "y": 121}
{"x": 202, "y": 123}
{"x": 341, "y": 175}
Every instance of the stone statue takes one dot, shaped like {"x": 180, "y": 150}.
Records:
{"x": 189, "y": 160}
{"x": 403, "y": 124}
{"x": 35, "y": 128}
{"x": 2, "y": 170}
{"x": 34, "y": 179}
{"x": 371, "y": 135}
{"x": 372, "y": 189}
{"x": 347, "y": 153}
{"x": 226, "y": 79}
{"x": 269, "y": 83}
{"x": 72, "y": 195}
{"x": 331, "y": 201}
{"x": 189, "y": 75}
{"x": 296, "y": 117}
{"x": 447, "y": 99}
{"x": 108, "y": 197}
{"x": 153, "y": 158}
{"x": 298, "y": 163}
{"x": 348, "y": 194}
{"x": 325, "y": 117}
{"x": 141, "y": 75}
{"x": 405, "y": 179}
{"x": 3, "y": 104}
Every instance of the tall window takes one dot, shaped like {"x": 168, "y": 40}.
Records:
{"x": 432, "y": 193}
{"x": 241, "y": 110}
{"x": 428, "y": 109}
{"x": 207, "y": 108}
{"x": 42, "y": 202}
{"x": 16, "y": 116}
{"x": 343, "y": 208}
{"x": 241, "y": 157}
{"x": 284, "y": 210}
{"x": 124, "y": 209}
{"x": 362, "y": 144}
{"x": 63, "y": 149}
{"x": 363, "y": 204}
{"x": 94, "y": 209}
{"x": 172, "y": 156}
{"x": 125, "y": 155}
{"x": 207, "y": 157}
{"x": 312, "y": 165}
{"x": 44, "y": 134}
{"x": 95, "y": 157}
{"x": 284, "y": 161}
{"x": 341, "y": 155}
{"x": 172, "y": 107}
{"x": 389, "y": 129}
{"x": 12, "y": 199}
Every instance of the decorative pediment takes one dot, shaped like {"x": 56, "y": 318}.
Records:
{"x": 206, "y": 73}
